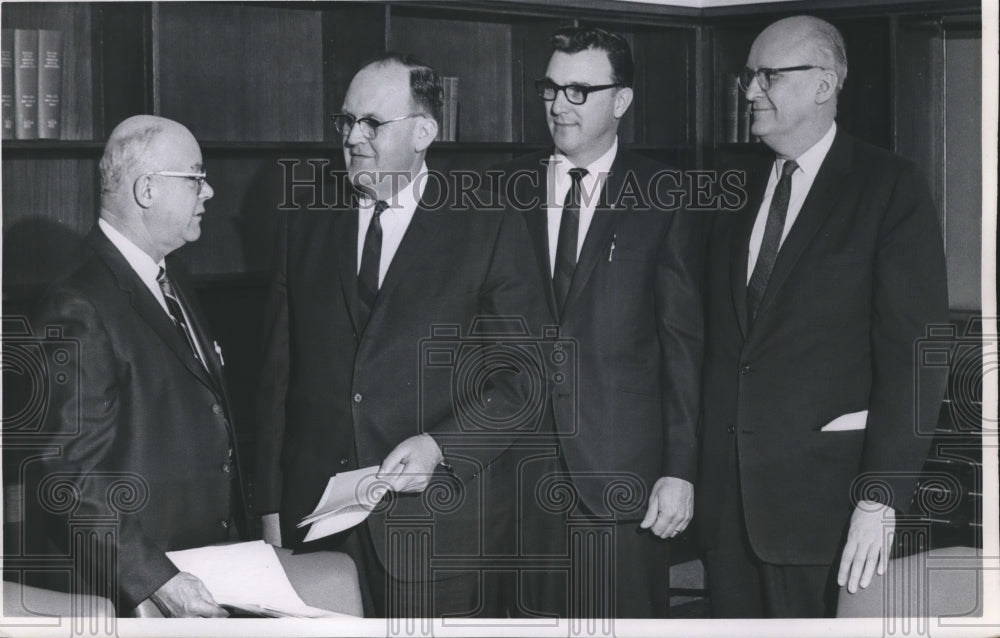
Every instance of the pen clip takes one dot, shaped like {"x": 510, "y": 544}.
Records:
{"x": 611, "y": 252}
{"x": 218, "y": 351}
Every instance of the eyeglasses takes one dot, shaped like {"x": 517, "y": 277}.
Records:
{"x": 575, "y": 93}
{"x": 764, "y": 75}
{"x": 198, "y": 177}
{"x": 344, "y": 123}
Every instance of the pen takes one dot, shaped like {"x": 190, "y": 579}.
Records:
{"x": 611, "y": 253}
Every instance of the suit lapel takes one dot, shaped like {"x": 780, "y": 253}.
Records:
{"x": 536, "y": 219}
{"x": 345, "y": 244}
{"x": 147, "y": 307}
{"x": 596, "y": 244}
{"x": 757, "y": 176}
{"x": 815, "y": 210}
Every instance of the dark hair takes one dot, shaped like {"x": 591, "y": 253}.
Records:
{"x": 576, "y": 39}
{"x": 425, "y": 84}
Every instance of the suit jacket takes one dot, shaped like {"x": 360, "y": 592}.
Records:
{"x": 140, "y": 431}
{"x": 857, "y": 282}
{"x": 626, "y": 413}
{"x": 339, "y": 396}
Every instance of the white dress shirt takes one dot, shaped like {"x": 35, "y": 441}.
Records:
{"x": 395, "y": 220}
{"x": 559, "y": 182}
{"x": 802, "y": 180}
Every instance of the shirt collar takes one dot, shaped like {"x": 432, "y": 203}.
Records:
{"x": 141, "y": 262}
{"x": 600, "y": 167}
{"x": 406, "y": 200}
{"x": 810, "y": 161}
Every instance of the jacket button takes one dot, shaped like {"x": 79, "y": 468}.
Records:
{"x": 745, "y": 368}
{"x": 730, "y": 428}
{"x": 226, "y": 468}
{"x": 345, "y": 461}
{"x": 216, "y": 408}
{"x": 357, "y": 398}
{"x": 224, "y": 524}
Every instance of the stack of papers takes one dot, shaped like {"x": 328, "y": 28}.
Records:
{"x": 348, "y": 500}
{"x": 246, "y": 578}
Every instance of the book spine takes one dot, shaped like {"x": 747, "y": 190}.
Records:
{"x": 7, "y": 81}
{"x": 453, "y": 113}
{"x": 732, "y": 108}
{"x": 50, "y": 85}
{"x": 25, "y": 84}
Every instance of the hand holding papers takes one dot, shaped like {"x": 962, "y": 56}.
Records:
{"x": 348, "y": 500}
{"x": 246, "y": 579}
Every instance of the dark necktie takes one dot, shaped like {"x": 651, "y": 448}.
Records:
{"x": 174, "y": 309}
{"x": 371, "y": 256}
{"x": 569, "y": 229}
{"x": 773, "y": 228}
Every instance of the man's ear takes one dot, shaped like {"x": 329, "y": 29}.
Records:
{"x": 424, "y": 133}
{"x": 623, "y": 99}
{"x": 143, "y": 191}
{"x": 827, "y": 88}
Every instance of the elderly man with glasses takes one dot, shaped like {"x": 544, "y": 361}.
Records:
{"x": 141, "y": 431}
{"x": 620, "y": 273}
{"x": 358, "y": 296}
{"x": 816, "y": 419}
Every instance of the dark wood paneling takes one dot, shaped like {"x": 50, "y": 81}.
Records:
{"x": 125, "y": 81}
{"x": 351, "y": 36}
{"x": 479, "y": 54}
{"x": 236, "y": 72}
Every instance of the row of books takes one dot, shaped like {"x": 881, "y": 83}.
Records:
{"x": 32, "y": 83}
{"x": 738, "y": 112}
{"x": 448, "y": 131}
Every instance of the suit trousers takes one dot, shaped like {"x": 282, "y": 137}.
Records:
{"x": 469, "y": 593}
{"x": 585, "y": 566}
{"x": 740, "y": 585}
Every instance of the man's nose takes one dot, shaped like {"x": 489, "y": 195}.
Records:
{"x": 754, "y": 91}
{"x": 354, "y": 135}
{"x": 207, "y": 192}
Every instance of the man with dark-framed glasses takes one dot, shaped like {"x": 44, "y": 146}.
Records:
{"x": 345, "y": 386}
{"x": 815, "y": 422}
{"x": 141, "y": 433}
{"x": 621, "y": 278}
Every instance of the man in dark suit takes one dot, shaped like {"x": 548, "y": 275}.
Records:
{"x": 813, "y": 408}
{"x": 621, "y": 275}
{"x": 358, "y": 294}
{"x": 143, "y": 436}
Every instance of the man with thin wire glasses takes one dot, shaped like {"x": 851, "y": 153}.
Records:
{"x": 356, "y": 292}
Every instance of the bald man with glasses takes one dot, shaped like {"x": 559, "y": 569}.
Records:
{"x": 143, "y": 434}
{"x": 816, "y": 420}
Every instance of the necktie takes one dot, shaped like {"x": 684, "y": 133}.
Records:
{"x": 569, "y": 229}
{"x": 773, "y": 228}
{"x": 174, "y": 309}
{"x": 371, "y": 256}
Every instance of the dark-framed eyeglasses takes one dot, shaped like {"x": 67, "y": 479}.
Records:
{"x": 575, "y": 93}
{"x": 344, "y": 123}
{"x": 764, "y": 75}
{"x": 199, "y": 177}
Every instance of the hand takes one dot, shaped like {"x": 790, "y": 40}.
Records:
{"x": 671, "y": 506}
{"x": 869, "y": 538}
{"x": 185, "y": 596}
{"x": 271, "y": 529}
{"x": 409, "y": 467}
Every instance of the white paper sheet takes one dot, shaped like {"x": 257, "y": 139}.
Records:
{"x": 348, "y": 499}
{"x": 246, "y": 575}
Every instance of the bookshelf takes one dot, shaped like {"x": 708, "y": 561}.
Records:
{"x": 256, "y": 82}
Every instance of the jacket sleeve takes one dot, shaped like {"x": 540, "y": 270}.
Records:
{"x": 85, "y": 418}
{"x": 909, "y": 295}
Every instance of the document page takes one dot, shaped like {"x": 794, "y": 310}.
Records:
{"x": 348, "y": 500}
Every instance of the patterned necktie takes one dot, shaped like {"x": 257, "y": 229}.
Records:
{"x": 773, "y": 229}
{"x": 569, "y": 229}
{"x": 371, "y": 257}
{"x": 174, "y": 309}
